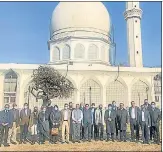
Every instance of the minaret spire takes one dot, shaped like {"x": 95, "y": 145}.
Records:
{"x": 133, "y": 15}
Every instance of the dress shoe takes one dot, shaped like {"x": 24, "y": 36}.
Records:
{"x": 67, "y": 142}
{"x": 62, "y": 142}
{"x": 20, "y": 142}
{"x": 79, "y": 141}
{"x": 32, "y": 143}
{"x": 0, "y": 145}
{"x": 125, "y": 140}
{"x": 24, "y": 142}
{"x": 6, "y": 145}
{"x": 13, "y": 142}
{"x": 113, "y": 140}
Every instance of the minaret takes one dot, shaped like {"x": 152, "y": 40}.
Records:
{"x": 133, "y": 15}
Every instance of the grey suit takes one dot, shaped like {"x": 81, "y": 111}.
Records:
{"x": 134, "y": 122}
{"x": 145, "y": 124}
{"x": 122, "y": 120}
{"x": 87, "y": 122}
{"x": 16, "y": 118}
{"x": 24, "y": 123}
{"x": 155, "y": 116}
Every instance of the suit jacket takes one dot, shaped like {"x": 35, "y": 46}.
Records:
{"x": 122, "y": 119}
{"x": 33, "y": 119}
{"x": 24, "y": 119}
{"x": 146, "y": 116}
{"x": 16, "y": 111}
{"x": 55, "y": 117}
{"x": 6, "y": 117}
{"x": 137, "y": 112}
{"x": 155, "y": 116}
{"x": 87, "y": 116}
{"x": 62, "y": 116}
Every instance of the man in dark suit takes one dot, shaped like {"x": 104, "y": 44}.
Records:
{"x": 114, "y": 107}
{"x": 25, "y": 114}
{"x": 122, "y": 120}
{"x": 6, "y": 119}
{"x": 148, "y": 107}
{"x": 15, "y": 124}
{"x": 155, "y": 115}
{"x": 93, "y": 126}
{"x": 134, "y": 121}
{"x": 109, "y": 118}
{"x": 145, "y": 122}
{"x": 87, "y": 122}
{"x": 82, "y": 127}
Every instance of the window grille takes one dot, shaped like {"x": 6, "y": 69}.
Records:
{"x": 66, "y": 52}
{"x": 93, "y": 52}
{"x": 90, "y": 92}
{"x": 116, "y": 91}
{"x": 139, "y": 92}
{"x": 79, "y": 51}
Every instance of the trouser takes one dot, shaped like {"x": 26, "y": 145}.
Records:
{"x": 122, "y": 135}
{"x": 116, "y": 127}
{"x": 55, "y": 138}
{"x": 23, "y": 132}
{"x": 87, "y": 131}
{"x": 82, "y": 132}
{"x": 4, "y": 134}
{"x": 156, "y": 133}
{"x": 134, "y": 126}
{"x": 42, "y": 137}
{"x": 100, "y": 131}
{"x": 12, "y": 133}
{"x": 76, "y": 131}
{"x": 145, "y": 132}
{"x": 65, "y": 131}
{"x": 110, "y": 134}
{"x": 93, "y": 131}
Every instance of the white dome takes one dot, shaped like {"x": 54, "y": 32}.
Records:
{"x": 80, "y": 15}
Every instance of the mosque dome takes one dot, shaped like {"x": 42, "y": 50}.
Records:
{"x": 80, "y": 15}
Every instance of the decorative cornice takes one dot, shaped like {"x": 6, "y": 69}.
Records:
{"x": 133, "y": 13}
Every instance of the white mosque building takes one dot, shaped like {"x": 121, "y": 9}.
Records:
{"x": 80, "y": 42}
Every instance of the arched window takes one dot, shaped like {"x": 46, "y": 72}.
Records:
{"x": 56, "y": 54}
{"x": 79, "y": 51}
{"x": 139, "y": 92}
{"x": 116, "y": 91}
{"x": 10, "y": 87}
{"x": 66, "y": 52}
{"x": 90, "y": 92}
{"x": 103, "y": 50}
{"x": 93, "y": 52}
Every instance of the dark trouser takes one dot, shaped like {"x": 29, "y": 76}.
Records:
{"x": 82, "y": 132}
{"x": 42, "y": 137}
{"x": 76, "y": 131}
{"x": 145, "y": 132}
{"x": 116, "y": 127}
{"x": 4, "y": 134}
{"x": 34, "y": 138}
{"x": 87, "y": 131}
{"x": 134, "y": 126}
{"x": 122, "y": 134}
{"x": 55, "y": 138}
{"x": 100, "y": 131}
{"x": 93, "y": 131}
{"x": 151, "y": 133}
{"x": 108, "y": 136}
{"x": 23, "y": 132}
{"x": 156, "y": 133}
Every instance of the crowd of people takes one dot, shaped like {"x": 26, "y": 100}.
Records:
{"x": 79, "y": 124}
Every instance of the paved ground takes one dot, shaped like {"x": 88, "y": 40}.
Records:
{"x": 93, "y": 146}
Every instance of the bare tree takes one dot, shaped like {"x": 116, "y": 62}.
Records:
{"x": 48, "y": 83}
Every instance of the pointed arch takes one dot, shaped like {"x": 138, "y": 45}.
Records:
{"x": 66, "y": 52}
{"x": 56, "y": 54}
{"x": 90, "y": 92}
{"x": 93, "y": 52}
{"x": 10, "y": 86}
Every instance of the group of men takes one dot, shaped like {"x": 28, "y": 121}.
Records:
{"x": 80, "y": 123}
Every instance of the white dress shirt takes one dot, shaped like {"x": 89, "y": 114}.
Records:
{"x": 109, "y": 113}
{"x": 143, "y": 118}
{"x": 133, "y": 113}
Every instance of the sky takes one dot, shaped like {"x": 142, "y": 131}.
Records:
{"x": 24, "y": 31}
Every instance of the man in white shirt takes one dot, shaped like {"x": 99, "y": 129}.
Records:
{"x": 134, "y": 121}
{"x": 65, "y": 117}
